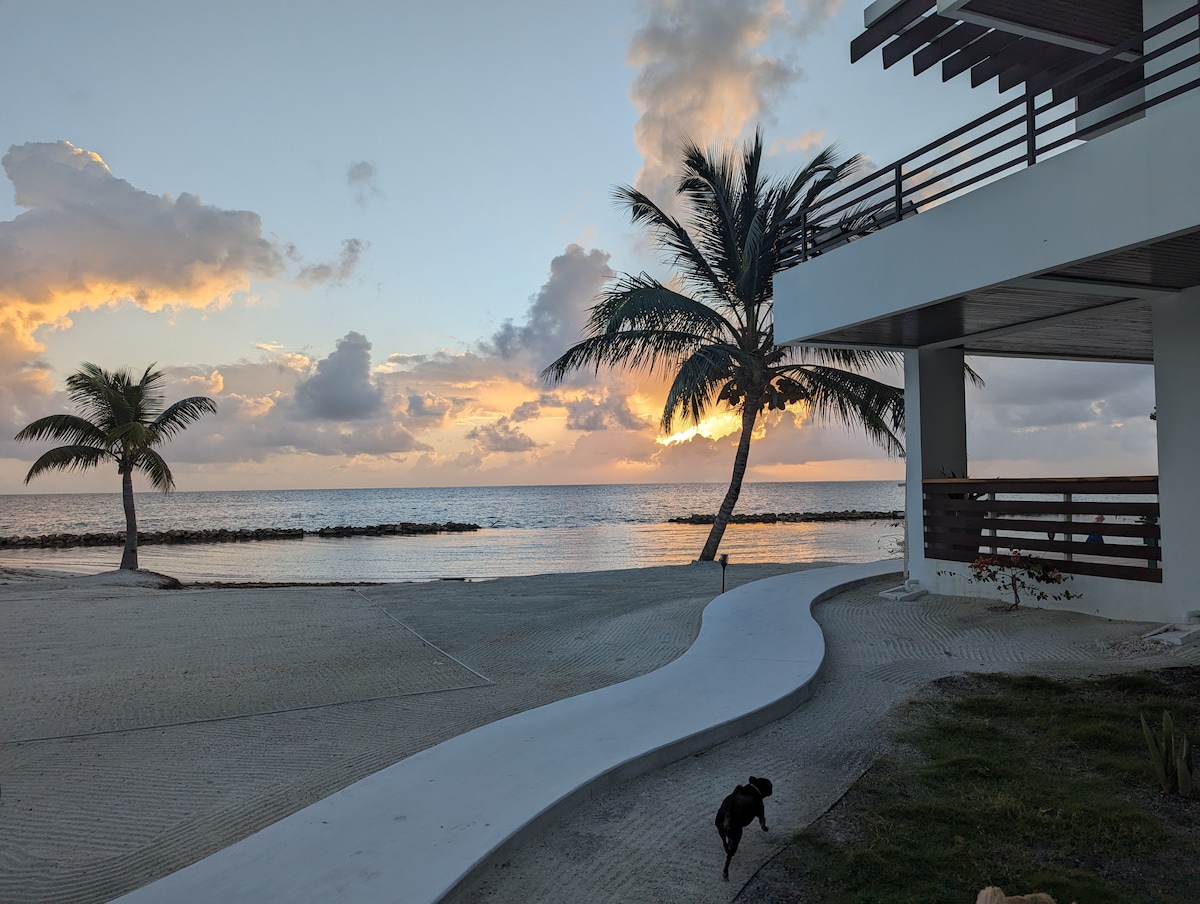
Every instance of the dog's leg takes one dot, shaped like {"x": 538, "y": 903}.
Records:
{"x": 731, "y": 836}
{"x": 762, "y": 816}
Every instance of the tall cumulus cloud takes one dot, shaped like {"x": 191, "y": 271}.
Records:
{"x": 341, "y": 388}
{"x": 703, "y": 74}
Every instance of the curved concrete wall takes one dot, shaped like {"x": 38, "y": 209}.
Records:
{"x": 415, "y": 830}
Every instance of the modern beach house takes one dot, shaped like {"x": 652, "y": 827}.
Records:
{"x": 1065, "y": 224}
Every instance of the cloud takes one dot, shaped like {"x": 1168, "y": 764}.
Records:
{"x": 341, "y": 388}
{"x": 702, "y": 75}
{"x": 526, "y": 411}
{"x": 501, "y": 436}
{"x": 361, "y": 178}
{"x": 335, "y": 271}
{"x": 89, "y": 238}
{"x": 212, "y": 384}
{"x": 427, "y": 409}
{"x": 810, "y": 140}
{"x": 588, "y": 413}
{"x": 557, "y": 312}
{"x": 1061, "y": 418}
{"x": 400, "y": 360}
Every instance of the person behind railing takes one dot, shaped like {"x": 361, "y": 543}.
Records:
{"x": 1096, "y": 538}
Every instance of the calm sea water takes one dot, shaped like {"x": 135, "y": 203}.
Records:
{"x": 526, "y": 530}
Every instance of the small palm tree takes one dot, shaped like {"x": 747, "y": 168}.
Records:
{"x": 712, "y": 329}
{"x": 119, "y": 420}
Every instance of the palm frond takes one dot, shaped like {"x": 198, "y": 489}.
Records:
{"x": 670, "y": 235}
{"x": 859, "y": 359}
{"x": 648, "y": 351}
{"x": 67, "y": 458}
{"x": 176, "y": 417}
{"x": 642, "y": 302}
{"x": 156, "y": 470}
{"x": 698, "y": 382}
{"x": 132, "y": 437}
{"x": 119, "y": 418}
{"x": 852, "y": 399}
{"x": 64, "y": 426}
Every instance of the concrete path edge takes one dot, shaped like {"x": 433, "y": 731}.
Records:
{"x": 417, "y": 829}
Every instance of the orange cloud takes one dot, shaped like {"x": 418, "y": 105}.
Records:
{"x": 90, "y": 239}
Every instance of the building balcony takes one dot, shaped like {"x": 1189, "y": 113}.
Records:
{"x": 1042, "y": 228}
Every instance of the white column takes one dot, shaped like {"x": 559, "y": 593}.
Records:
{"x": 935, "y": 438}
{"x": 1176, "y": 376}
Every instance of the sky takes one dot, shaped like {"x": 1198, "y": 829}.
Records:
{"x": 363, "y": 229}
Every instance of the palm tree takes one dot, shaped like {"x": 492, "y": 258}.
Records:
{"x": 121, "y": 421}
{"x": 712, "y": 327}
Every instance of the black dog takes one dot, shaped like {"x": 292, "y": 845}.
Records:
{"x": 738, "y": 810}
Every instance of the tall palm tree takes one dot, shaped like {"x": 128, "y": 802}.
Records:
{"x": 121, "y": 421}
{"x": 712, "y": 327}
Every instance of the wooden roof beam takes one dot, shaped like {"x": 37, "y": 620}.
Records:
{"x": 1020, "y": 51}
{"x": 887, "y": 26}
{"x": 1049, "y": 60}
{"x": 921, "y": 33}
{"x": 952, "y": 41}
{"x": 993, "y": 42}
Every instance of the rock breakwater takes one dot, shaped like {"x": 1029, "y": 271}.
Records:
{"x": 223, "y": 535}
{"x": 792, "y": 517}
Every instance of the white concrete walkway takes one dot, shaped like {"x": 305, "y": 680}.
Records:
{"x": 414, "y": 830}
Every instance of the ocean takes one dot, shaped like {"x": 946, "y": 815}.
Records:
{"x": 524, "y": 530}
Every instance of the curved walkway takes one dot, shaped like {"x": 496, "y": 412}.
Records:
{"x": 415, "y": 830}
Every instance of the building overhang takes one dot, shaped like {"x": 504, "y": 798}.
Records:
{"x": 1063, "y": 259}
{"x": 1011, "y": 41}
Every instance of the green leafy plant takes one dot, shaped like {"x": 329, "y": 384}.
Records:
{"x": 1172, "y": 757}
{"x": 1018, "y": 574}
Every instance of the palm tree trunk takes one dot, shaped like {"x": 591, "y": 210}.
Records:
{"x": 749, "y": 415}
{"x": 129, "y": 558}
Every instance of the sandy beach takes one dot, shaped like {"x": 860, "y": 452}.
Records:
{"x": 143, "y": 728}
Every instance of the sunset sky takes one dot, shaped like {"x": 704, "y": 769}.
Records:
{"x": 363, "y": 228}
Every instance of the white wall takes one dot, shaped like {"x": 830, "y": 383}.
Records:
{"x": 1119, "y": 600}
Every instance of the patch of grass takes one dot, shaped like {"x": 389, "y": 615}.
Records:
{"x": 1023, "y": 782}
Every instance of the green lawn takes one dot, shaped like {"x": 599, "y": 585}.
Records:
{"x": 1021, "y": 782}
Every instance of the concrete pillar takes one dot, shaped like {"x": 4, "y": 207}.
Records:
{"x": 935, "y": 438}
{"x": 1176, "y": 376}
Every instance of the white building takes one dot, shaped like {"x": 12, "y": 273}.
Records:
{"x": 1064, "y": 225}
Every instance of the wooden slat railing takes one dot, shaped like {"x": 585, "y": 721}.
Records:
{"x": 1051, "y": 518}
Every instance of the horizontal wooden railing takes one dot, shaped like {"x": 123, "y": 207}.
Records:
{"x": 1054, "y": 518}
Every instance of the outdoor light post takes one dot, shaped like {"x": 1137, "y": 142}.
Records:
{"x": 724, "y": 565}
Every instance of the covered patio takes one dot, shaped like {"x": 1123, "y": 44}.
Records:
{"x": 1064, "y": 225}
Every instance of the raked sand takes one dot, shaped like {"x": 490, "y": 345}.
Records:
{"x": 144, "y": 728}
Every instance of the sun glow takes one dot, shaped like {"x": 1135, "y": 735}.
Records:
{"x": 714, "y": 426}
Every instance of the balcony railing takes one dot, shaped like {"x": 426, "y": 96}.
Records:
{"x": 1055, "y": 112}
{"x": 1052, "y": 518}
